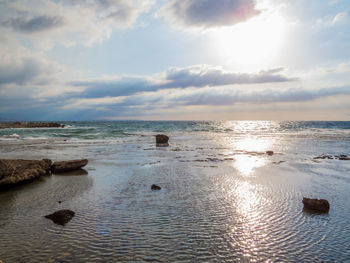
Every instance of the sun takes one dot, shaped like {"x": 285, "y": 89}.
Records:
{"x": 253, "y": 44}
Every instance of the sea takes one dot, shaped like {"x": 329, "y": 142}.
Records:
{"x": 222, "y": 197}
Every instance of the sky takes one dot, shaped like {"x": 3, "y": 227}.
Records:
{"x": 174, "y": 60}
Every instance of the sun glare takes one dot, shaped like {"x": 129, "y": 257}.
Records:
{"x": 253, "y": 44}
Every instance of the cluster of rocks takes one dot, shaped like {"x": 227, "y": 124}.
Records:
{"x": 342, "y": 157}
{"x": 18, "y": 124}
{"x": 13, "y": 172}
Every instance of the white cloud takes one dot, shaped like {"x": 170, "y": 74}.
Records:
{"x": 47, "y": 22}
{"x": 339, "y": 17}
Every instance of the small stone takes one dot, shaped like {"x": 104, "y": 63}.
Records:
{"x": 61, "y": 217}
{"x": 269, "y": 153}
{"x": 155, "y": 187}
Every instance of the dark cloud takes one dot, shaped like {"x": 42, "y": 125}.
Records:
{"x": 35, "y": 24}
{"x": 209, "y": 13}
{"x": 195, "y": 76}
{"x": 20, "y": 73}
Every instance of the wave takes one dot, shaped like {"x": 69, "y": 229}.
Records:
{"x": 13, "y": 136}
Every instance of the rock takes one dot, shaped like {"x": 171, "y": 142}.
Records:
{"x": 17, "y": 171}
{"x": 269, "y": 153}
{"x": 155, "y": 187}
{"x": 343, "y": 157}
{"x": 162, "y": 140}
{"x": 324, "y": 156}
{"x": 61, "y": 217}
{"x": 66, "y": 166}
{"x": 279, "y": 162}
{"x": 320, "y": 205}
{"x": 30, "y": 125}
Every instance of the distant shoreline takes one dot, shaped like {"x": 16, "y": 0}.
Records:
{"x": 18, "y": 124}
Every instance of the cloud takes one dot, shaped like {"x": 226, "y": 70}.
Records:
{"x": 175, "y": 78}
{"x": 47, "y": 23}
{"x": 208, "y": 13}
{"x": 20, "y": 66}
{"x": 229, "y": 97}
{"x": 331, "y": 21}
{"x": 36, "y": 24}
{"x": 23, "y": 71}
{"x": 339, "y": 17}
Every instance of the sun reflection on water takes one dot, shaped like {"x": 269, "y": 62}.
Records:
{"x": 247, "y": 164}
{"x": 252, "y": 231}
{"x": 248, "y": 144}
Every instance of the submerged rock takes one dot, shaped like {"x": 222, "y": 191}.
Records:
{"x": 66, "y": 166}
{"x": 30, "y": 125}
{"x": 61, "y": 217}
{"x": 155, "y": 187}
{"x": 17, "y": 171}
{"x": 342, "y": 157}
{"x": 162, "y": 140}
{"x": 324, "y": 156}
{"x": 269, "y": 153}
{"x": 319, "y": 205}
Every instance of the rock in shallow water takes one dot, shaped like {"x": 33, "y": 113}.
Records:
{"x": 319, "y": 205}
{"x": 61, "y": 217}
{"x": 162, "y": 140}
{"x": 66, "y": 166}
{"x": 155, "y": 187}
{"x": 16, "y": 171}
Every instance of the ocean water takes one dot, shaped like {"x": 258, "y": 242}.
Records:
{"x": 223, "y": 199}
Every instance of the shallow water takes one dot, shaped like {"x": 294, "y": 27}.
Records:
{"x": 222, "y": 199}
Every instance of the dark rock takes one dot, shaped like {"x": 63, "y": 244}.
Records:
{"x": 66, "y": 166}
{"x": 17, "y": 124}
{"x": 61, "y": 217}
{"x": 155, "y": 187}
{"x": 162, "y": 140}
{"x": 343, "y": 157}
{"x": 59, "y": 202}
{"x": 319, "y": 205}
{"x": 279, "y": 162}
{"x": 16, "y": 171}
{"x": 324, "y": 156}
{"x": 269, "y": 153}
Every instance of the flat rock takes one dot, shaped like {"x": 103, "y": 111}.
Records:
{"x": 162, "y": 140}
{"x": 66, "y": 166}
{"x": 155, "y": 187}
{"x": 16, "y": 171}
{"x": 319, "y": 205}
{"x": 61, "y": 217}
{"x": 18, "y": 124}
